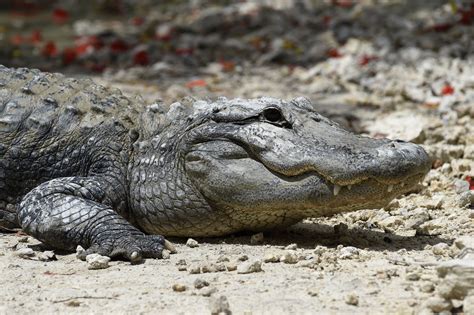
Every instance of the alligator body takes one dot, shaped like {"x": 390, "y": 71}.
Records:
{"x": 81, "y": 164}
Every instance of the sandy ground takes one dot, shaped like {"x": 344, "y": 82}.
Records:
{"x": 380, "y": 261}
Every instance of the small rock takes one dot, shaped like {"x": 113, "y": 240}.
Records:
{"x": 437, "y": 304}
{"x": 291, "y": 247}
{"x": 206, "y": 268}
{"x": 97, "y": 261}
{"x": 271, "y": 258}
{"x": 427, "y": 287}
{"x": 464, "y": 241}
{"x": 460, "y": 186}
{"x": 243, "y": 258}
{"x": 208, "y": 291}
{"x": 200, "y": 283}
{"x": 256, "y": 239}
{"x": 352, "y": 299}
{"x": 177, "y": 287}
{"x": 73, "y": 303}
{"x": 220, "y": 306}
{"x": 25, "y": 253}
{"x": 289, "y": 257}
{"x": 391, "y": 222}
{"x": 313, "y": 291}
{"x": 47, "y": 256}
{"x": 231, "y": 266}
{"x": 465, "y": 199}
{"x": 79, "y": 251}
{"x": 194, "y": 269}
{"x": 250, "y": 266}
{"x": 319, "y": 250}
{"x": 181, "y": 262}
{"x": 413, "y": 276}
{"x": 348, "y": 252}
{"x": 222, "y": 259}
{"x": 192, "y": 243}
{"x": 440, "y": 248}
{"x": 468, "y": 304}
{"x": 182, "y": 268}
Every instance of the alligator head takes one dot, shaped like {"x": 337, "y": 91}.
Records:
{"x": 266, "y": 162}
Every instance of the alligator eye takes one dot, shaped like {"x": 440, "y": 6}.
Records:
{"x": 273, "y": 114}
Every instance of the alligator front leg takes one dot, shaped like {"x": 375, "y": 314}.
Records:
{"x": 71, "y": 211}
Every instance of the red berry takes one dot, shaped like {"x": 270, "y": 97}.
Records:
{"x": 447, "y": 90}
{"x": 60, "y": 16}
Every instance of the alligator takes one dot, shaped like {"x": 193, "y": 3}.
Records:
{"x": 82, "y": 164}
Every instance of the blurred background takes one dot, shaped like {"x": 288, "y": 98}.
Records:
{"x": 367, "y": 54}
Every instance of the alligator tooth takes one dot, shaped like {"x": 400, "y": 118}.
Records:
{"x": 349, "y": 187}
{"x": 337, "y": 188}
{"x": 390, "y": 188}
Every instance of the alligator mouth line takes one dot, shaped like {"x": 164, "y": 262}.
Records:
{"x": 401, "y": 185}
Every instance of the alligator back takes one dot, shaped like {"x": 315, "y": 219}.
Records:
{"x": 48, "y": 126}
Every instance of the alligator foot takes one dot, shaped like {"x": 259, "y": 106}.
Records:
{"x": 130, "y": 247}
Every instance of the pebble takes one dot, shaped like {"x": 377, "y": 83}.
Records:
{"x": 25, "y": 253}
{"x": 465, "y": 199}
{"x": 468, "y": 304}
{"x": 208, "y": 291}
{"x": 427, "y": 287}
{"x": 413, "y": 276}
{"x": 231, "y": 266}
{"x": 177, "y": 287}
{"x": 194, "y": 269}
{"x": 250, "y": 266}
{"x": 464, "y": 241}
{"x": 96, "y": 261}
{"x": 220, "y": 306}
{"x": 289, "y": 257}
{"x": 460, "y": 186}
{"x": 437, "y": 304}
{"x": 348, "y": 252}
{"x": 440, "y": 248}
{"x": 291, "y": 247}
{"x": 352, "y": 299}
{"x": 256, "y": 239}
{"x": 192, "y": 243}
{"x": 313, "y": 291}
{"x": 200, "y": 283}
{"x": 243, "y": 258}
{"x": 46, "y": 256}
{"x": 271, "y": 258}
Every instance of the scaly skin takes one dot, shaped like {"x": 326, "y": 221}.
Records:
{"x": 81, "y": 164}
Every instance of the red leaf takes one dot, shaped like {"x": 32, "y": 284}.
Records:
{"x": 447, "y": 90}
{"x": 36, "y": 37}
{"x": 227, "y": 66}
{"x": 118, "y": 46}
{"x": 466, "y": 15}
{"x": 16, "y": 40}
{"x": 327, "y": 20}
{"x": 60, "y": 16}
{"x": 137, "y": 21}
{"x": 49, "y": 50}
{"x": 442, "y": 27}
{"x": 87, "y": 44}
{"x": 141, "y": 58}
{"x": 184, "y": 51}
{"x": 470, "y": 180}
{"x": 69, "y": 55}
{"x": 365, "y": 59}
{"x": 196, "y": 83}
{"x": 334, "y": 53}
